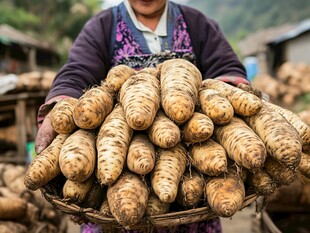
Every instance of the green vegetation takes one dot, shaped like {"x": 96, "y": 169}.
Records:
{"x": 241, "y": 17}
{"x": 54, "y": 21}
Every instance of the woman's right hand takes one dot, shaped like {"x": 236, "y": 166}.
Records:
{"x": 45, "y": 135}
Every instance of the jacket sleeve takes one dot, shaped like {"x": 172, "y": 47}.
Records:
{"x": 88, "y": 59}
{"x": 215, "y": 56}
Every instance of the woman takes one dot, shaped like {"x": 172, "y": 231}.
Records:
{"x": 141, "y": 33}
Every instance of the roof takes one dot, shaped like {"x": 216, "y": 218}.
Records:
{"x": 256, "y": 42}
{"x": 301, "y": 28}
{"x": 9, "y": 35}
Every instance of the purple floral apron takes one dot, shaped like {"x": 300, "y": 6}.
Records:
{"x": 129, "y": 46}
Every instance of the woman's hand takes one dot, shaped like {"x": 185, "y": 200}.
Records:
{"x": 45, "y": 135}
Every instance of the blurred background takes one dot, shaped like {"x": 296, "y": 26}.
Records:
{"x": 271, "y": 38}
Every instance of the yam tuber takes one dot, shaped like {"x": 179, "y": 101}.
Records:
{"x": 302, "y": 128}
{"x": 112, "y": 142}
{"x": 140, "y": 98}
{"x": 209, "y": 157}
{"x": 198, "y": 128}
{"x": 76, "y": 192}
{"x": 241, "y": 144}
{"x": 180, "y": 81}
{"x": 225, "y": 193}
{"x": 62, "y": 116}
{"x": 93, "y": 107}
{"x": 191, "y": 188}
{"x": 215, "y": 106}
{"x": 281, "y": 139}
{"x": 117, "y": 76}
{"x": 244, "y": 103}
{"x": 127, "y": 199}
{"x": 45, "y": 166}
{"x": 77, "y": 157}
{"x": 141, "y": 155}
{"x": 164, "y": 132}
{"x": 166, "y": 175}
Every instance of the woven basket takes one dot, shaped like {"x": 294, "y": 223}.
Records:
{"x": 170, "y": 219}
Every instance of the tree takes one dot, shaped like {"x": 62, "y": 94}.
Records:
{"x": 54, "y": 21}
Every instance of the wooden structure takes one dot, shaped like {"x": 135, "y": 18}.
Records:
{"x": 21, "y": 53}
{"x": 274, "y": 46}
{"x": 25, "y": 106}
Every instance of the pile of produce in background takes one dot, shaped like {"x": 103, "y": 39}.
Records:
{"x": 22, "y": 210}
{"x": 162, "y": 140}
{"x": 290, "y": 86}
{"x": 26, "y": 82}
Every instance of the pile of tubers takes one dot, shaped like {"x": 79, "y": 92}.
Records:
{"x": 22, "y": 210}
{"x": 162, "y": 139}
{"x": 287, "y": 85}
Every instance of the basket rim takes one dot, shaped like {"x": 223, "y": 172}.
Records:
{"x": 163, "y": 220}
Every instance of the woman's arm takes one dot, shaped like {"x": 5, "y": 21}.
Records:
{"x": 88, "y": 60}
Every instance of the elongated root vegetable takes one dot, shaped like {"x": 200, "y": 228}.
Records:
{"x": 62, "y": 115}
{"x": 242, "y": 145}
{"x": 191, "y": 189}
{"x": 180, "y": 81}
{"x": 279, "y": 173}
{"x": 155, "y": 206}
{"x": 127, "y": 199}
{"x": 117, "y": 76}
{"x": 44, "y": 167}
{"x": 215, "y": 106}
{"x": 140, "y": 98}
{"x": 76, "y": 192}
{"x": 225, "y": 193}
{"x": 93, "y": 107}
{"x": 302, "y": 128}
{"x": 198, "y": 128}
{"x": 141, "y": 155}
{"x": 77, "y": 157}
{"x": 244, "y": 103}
{"x": 304, "y": 165}
{"x": 167, "y": 172}
{"x": 262, "y": 182}
{"x": 112, "y": 145}
{"x": 281, "y": 139}
{"x": 164, "y": 132}
{"x": 209, "y": 157}
{"x": 12, "y": 208}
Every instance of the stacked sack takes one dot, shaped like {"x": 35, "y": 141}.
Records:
{"x": 162, "y": 140}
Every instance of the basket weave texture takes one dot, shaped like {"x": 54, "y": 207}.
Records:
{"x": 51, "y": 193}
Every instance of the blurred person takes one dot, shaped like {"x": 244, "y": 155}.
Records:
{"x": 141, "y": 33}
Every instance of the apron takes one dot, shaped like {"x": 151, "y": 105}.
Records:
{"x": 129, "y": 46}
